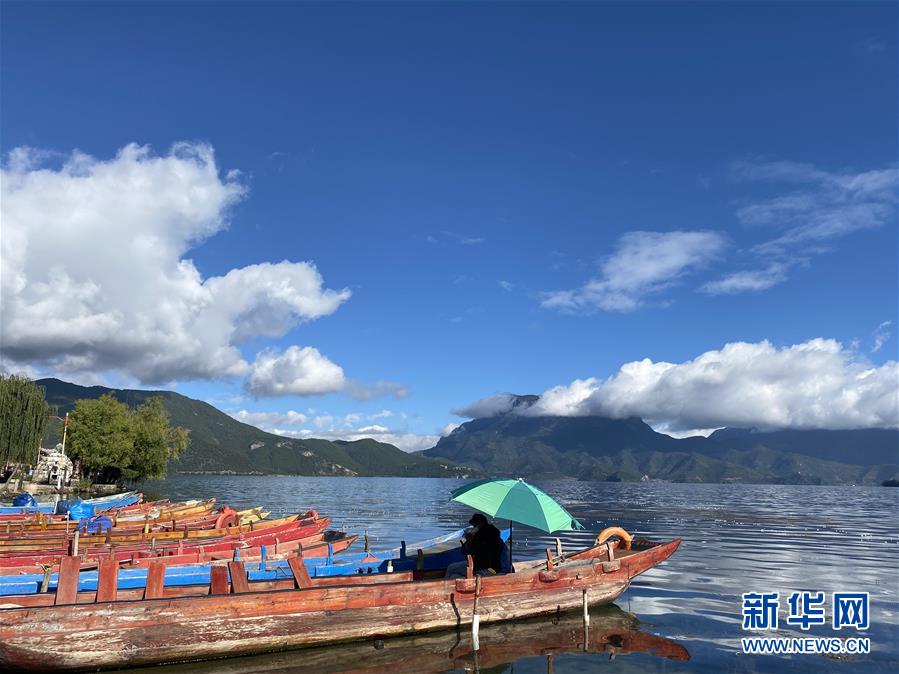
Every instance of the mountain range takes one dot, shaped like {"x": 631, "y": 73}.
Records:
{"x": 599, "y": 448}
{"x": 518, "y": 444}
{"x": 221, "y": 444}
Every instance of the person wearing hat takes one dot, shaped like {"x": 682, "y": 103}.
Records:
{"x": 485, "y": 545}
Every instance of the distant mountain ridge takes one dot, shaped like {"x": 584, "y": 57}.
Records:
{"x": 221, "y": 444}
{"x": 600, "y": 448}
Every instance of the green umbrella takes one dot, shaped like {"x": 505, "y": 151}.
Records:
{"x": 518, "y": 501}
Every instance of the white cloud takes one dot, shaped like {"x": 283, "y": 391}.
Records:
{"x": 684, "y": 433}
{"x": 487, "y": 407}
{"x": 336, "y": 427}
{"x": 268, "y": 419}
{"x": 815, "y": 384}
{"x": 644, "y": 264}
{"x": 881, "y": 336}
{"x": 449, "y": 428}
{"x": 374, "y": 428}
{"x": 95, "y": 275}
{"x": 408, "y": 442}
{"x": 296, "y": 371}
{"x": 324, "y": 421}
{"x": 564, "y": 401}
{"x": 506, "y": 285}
{"x": 812, "y": 209}
{"x": 748, "y": 281}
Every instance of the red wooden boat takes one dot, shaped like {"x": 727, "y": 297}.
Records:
{"x": 320, "y": 544}
{"x": 138, "y": 512}
{"x": 286, "y": 532}
{"x": 237, "y": 619}
{"x": 227, "y": 521}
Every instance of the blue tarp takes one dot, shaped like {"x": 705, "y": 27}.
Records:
{"x": 99, "y": 524}
{"x": 80, "y": 511}
{"x": 24, "y": 500}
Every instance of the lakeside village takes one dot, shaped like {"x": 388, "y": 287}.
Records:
{"x": 89, "y": 571}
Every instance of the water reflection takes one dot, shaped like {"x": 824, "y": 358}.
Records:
{"x": 612, "y": 632}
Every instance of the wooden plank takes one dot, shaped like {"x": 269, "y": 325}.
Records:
{"x": 218, "y": 580}
{"x": 155, "y": 580}
{"x": 300, "y": 574}
{"x": 238, "y": 577}
{"x": 67, "y": 588}
{"x": 108, "y": 580}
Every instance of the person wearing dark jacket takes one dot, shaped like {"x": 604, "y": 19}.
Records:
{"x": 485, "y": 545}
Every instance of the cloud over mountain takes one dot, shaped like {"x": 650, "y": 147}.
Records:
{"x": 95, "y": 273}
{"x": 815, "y": 384}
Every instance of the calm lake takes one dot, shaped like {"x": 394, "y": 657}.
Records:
{"x": 737, "y": 538}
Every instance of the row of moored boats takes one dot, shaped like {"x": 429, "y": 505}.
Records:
{"x": 160, "y": 581}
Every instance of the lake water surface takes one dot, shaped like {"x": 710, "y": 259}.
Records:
{"x": 736, "y": 539}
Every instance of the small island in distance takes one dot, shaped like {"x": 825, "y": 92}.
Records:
{"x": 586, "y": 448}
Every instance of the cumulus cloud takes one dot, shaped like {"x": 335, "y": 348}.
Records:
{"x": 299, "y": 371}
{"x": 95, "y": 275}
{"x": 644, "y": 264}
{"x": 815, "y": 384}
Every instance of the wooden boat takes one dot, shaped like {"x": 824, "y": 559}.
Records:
{"x": 237, "y": 619}
{"x": 257, "y": 550}
{"x": 275, "y": 532}
{"x": 322, "y": 546}
{"x": 207, "y": 518}
{"x": 261, "y": 562}
{"x": 196, "y": 514}
{"x": 121, "y": 517}
{"x": 612, "y": 631}
{"x": 61, "y": 540}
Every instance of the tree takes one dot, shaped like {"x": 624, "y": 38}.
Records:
{"x": 100, "y": 435}
{"x": 116, "y": 442}
{"x": 155, "y": 441}
{"x": 23, "y": 419}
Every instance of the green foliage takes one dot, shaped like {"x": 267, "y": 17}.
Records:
{"x": 23, "y": 418}
{"x": 110, "y": 439}
{"x": 155, "y": 441}
{"x": 100, "y": 434}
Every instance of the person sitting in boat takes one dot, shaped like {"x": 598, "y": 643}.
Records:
{"x": 485, "y": 545}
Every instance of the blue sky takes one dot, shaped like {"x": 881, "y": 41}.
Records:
{"x": 516, "y": 195}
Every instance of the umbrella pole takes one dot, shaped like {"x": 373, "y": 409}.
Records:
{"x": 510, "y": 545}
